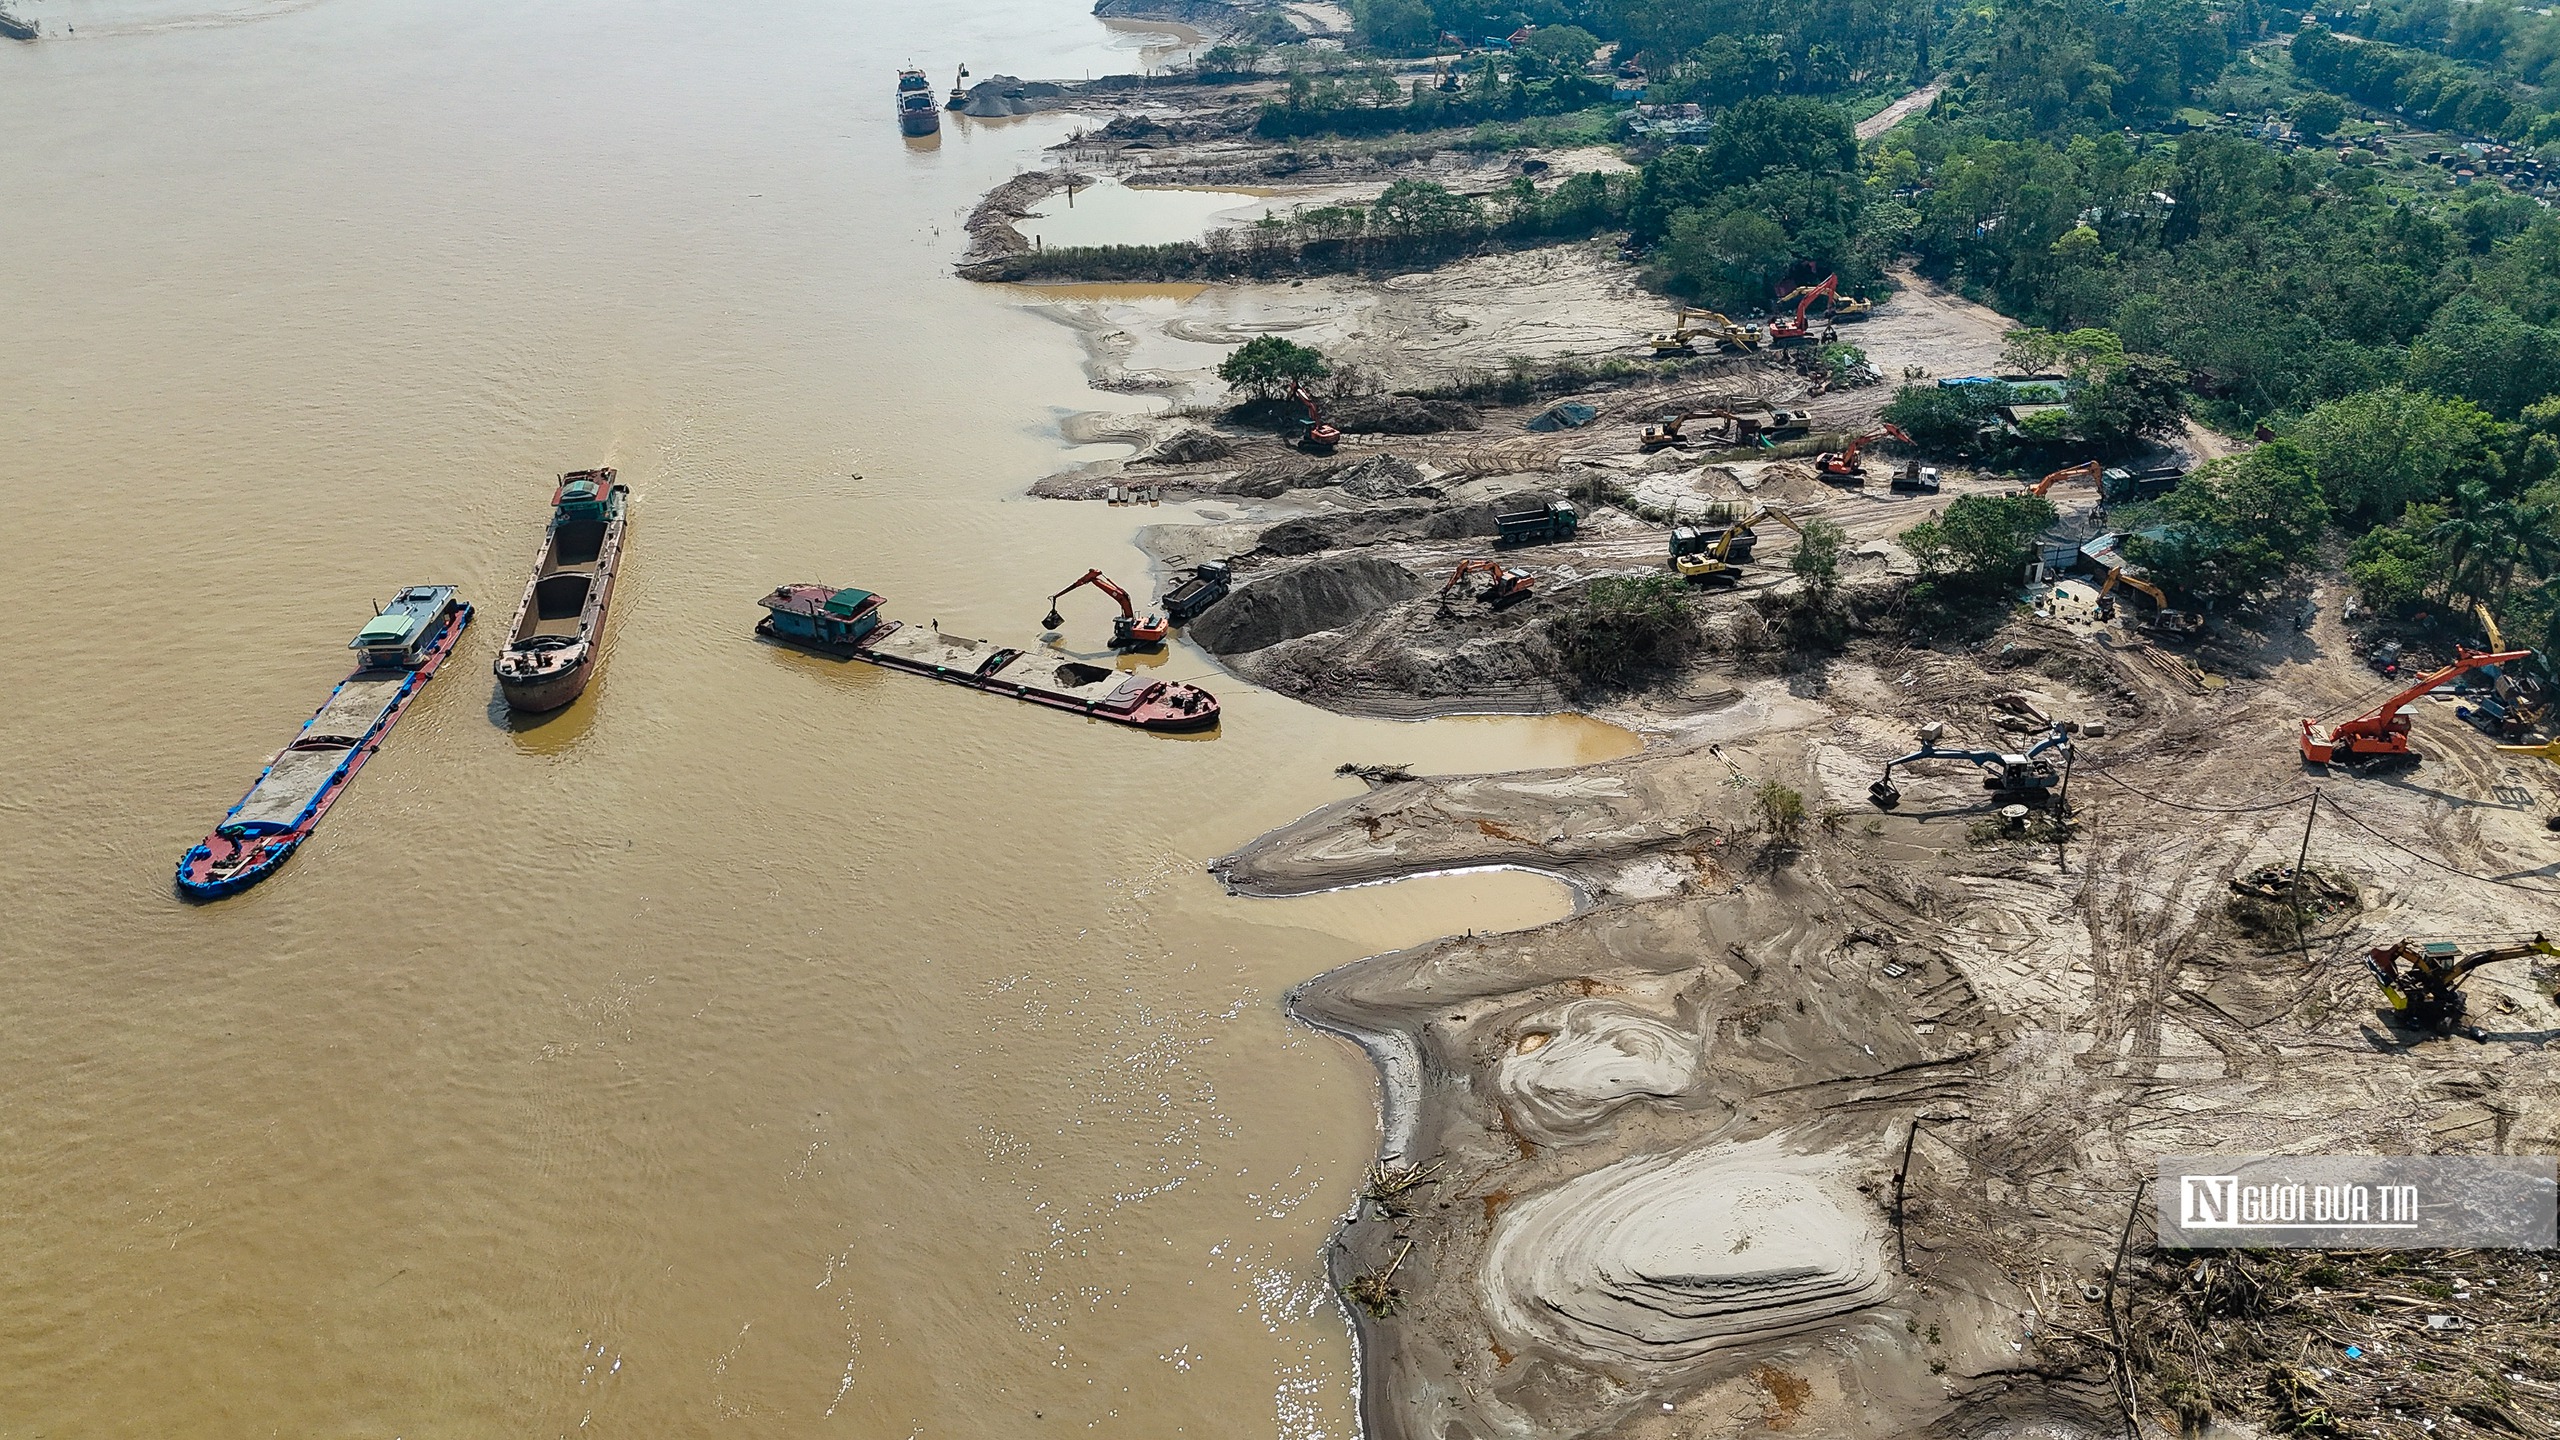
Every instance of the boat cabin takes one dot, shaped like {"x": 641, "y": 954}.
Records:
{"x": 398, "y": 637}
{"x": 823, "y": 614}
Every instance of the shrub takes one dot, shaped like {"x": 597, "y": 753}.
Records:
{"x": 1625, "y": 628}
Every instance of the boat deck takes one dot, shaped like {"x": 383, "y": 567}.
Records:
{"x": 297, "y": 777}
{"x": 1043, "y": 672}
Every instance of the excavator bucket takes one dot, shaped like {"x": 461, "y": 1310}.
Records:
{"x": 1053, "y": 619}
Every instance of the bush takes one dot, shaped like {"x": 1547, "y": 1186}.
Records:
{"x": 1782, "y": 810}
{"x": 1625, "y": 628}
{"x": 1265, "y": 366}
{"x": 1982, "y": 541}
{"x": 1945, "y": 417}
{"x": 2236, "y": 527}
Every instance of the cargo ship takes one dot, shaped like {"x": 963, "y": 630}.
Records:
{"x": 559, "y": 627}
{"x": 916, "y": 112}
{"x": 397, "y": 652}
{"x": 847, "y": 624}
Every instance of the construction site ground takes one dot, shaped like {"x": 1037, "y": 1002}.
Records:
{"x": 1638, "y": 1166}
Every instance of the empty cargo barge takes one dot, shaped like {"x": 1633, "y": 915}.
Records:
{"x": 847, "y": 623}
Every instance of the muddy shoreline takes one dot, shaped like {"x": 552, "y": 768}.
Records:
{"x": 1643, "y": 1168}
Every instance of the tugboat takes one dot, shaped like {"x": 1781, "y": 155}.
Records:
{"x": 559, "y": 625}
{"x": 15, "y": 28}
{"x": 847, "y": 624}
{"x": 916, "y": 115}
{"x": 396, "y": 653}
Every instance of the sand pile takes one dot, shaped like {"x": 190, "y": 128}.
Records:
{"x": 1319, "y": 595}
{"x": 1381, "y": 477}
{"x": 1576, "y": 1063}
{"x": 1664, "y": 1258}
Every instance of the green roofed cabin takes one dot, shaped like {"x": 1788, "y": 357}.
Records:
{"x": 393, "y": 639}
{"x": 821, "y": 614}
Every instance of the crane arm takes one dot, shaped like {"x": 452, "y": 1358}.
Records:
{"x": 2089, "y": 471}
{"x": 2538, "y": 945}
{"x": 1098, "y": 581}
{"x": 2489, "y": 623}
{"x": 2465, "y": 661}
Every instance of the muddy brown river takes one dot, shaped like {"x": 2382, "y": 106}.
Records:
{"x": 763, "y": 1046}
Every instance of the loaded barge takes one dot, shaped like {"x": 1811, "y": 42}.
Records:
{"x": 847, "y": 624}
{"x": 396, "y": 653}
{"x": 559, "y": 629}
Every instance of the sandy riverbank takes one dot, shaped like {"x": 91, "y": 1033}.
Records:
{"x": 1640, "y": 1167}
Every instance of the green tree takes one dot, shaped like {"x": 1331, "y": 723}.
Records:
{"x": 2396, "y": 566}
{"x": 1420, "y": 207}
{"x": 2236, "y": 527}
{"x": 1264, "y": 366}
{"x": 1553, "y": 50}
{"x": 2140, "y": 397}
{"x": 1981, "y": 541}
{"x": 1396, "y": 27}
{"x": 1731, "y": 259}
{"x": 1944, "y": 417}
{"x": 1817, "y": 558}
{"x": 2318, "y": 116}
{"x": 2378, "y": 452}
{"x": 2485, "y": 354}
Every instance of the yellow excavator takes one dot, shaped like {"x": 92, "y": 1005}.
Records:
{"x": 1682, "y": 338}
{"x": 2423, "y": 982}
{"x": 1697, "y": 559}
{"x": 2165, "y": 618}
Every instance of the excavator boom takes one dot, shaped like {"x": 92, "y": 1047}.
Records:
{"x": 2090, "y": 471}
{"x": 2383, "y": 731}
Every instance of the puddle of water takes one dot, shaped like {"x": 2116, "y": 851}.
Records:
{"x": 1380, "y": 918}
{"x": 1110, "y": 213}
{"x": 1037, "y": 294}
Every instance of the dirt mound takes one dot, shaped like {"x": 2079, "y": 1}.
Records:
{"x": 1319, "y": 595}
{"x": 1402, "y": 415}
{"x": 1188, "y": 447}
{"x": 1338, "y": 530}
{"x": 1380, "y": 477}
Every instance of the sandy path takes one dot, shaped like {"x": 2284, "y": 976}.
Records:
{"x": 1900, "y": 110}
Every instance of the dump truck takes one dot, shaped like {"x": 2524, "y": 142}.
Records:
{"x": 1545, "y": 524}
{"x": 1206, "y": 586}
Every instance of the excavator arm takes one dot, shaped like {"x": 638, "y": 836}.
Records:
{"x": 2383, "y": 730}
{"x": 1098, "y": 581}
{"x": 2090, "y": 471}
{"x": 2538, "y": 945}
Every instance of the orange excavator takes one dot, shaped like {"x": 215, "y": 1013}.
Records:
{"x": 1128, "y": 632}
{"x": 2381, "y": 735}
{"x": 2091, "y": 471}
{"x": 1845, "y": 465}
{"x": 1505, "y": 586}
{"x": 1797, "y": 329}
{"x": 1320, "y": 437}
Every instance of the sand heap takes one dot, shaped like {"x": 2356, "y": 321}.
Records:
{"x": 1301, "y": 600}
{"x": 1663, "y": 1258}
{"x": 1576, "y": 1063}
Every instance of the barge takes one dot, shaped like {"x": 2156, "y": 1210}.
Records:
{"x": 397, "y": 652}
{"x": 559, "y": 629}
{"x": 916, "y": 113}
{"x": 847, "y": 624}
{"x": 15, "y": 28}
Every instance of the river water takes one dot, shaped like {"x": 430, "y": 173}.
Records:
{"x": 765, "y": 1046}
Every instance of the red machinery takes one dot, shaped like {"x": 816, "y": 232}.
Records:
{"x": 1505, "y": 585}
{"x": 1796, "y": 330}
{"x": 1128, "y": 632}
{"x": 1320, "y": 436}
{"x": 2382, "y": 733}
{"x": 2090, "y": 471}
{"x": 1845, "y": 464}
